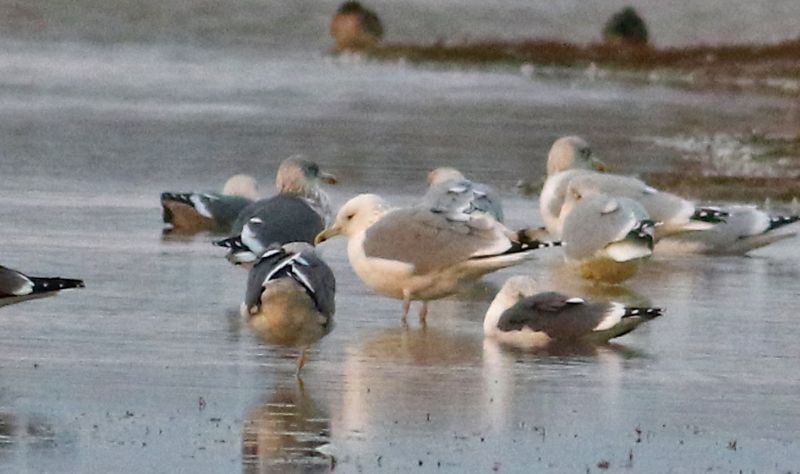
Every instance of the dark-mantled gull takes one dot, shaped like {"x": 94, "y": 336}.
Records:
{"x": 568, "y": 172}
{"x": 416, "y": 254}
{"x": 521, "y": 317}
{"x": 450, "y": 191}
{"x": 745, "y": 228}
{"x": 297, "y": 213}
{"x": 16, "y": 286}
{"x": 208, "y": 211}
{"x": 290, "y": 297}
{"x": 605, "y": 238}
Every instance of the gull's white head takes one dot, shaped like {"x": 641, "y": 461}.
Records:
{"x": 241, "y": 185}
{"x": 297, "y": 174}
{"x": 444, "y": 174}
{"x": 571, "y": 152}
{"x": 513, "y": 290}
{"x": 355, "y": 216}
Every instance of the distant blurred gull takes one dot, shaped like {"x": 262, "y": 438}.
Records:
{"x": 297, "y": 213}
{"x": 605, "y": 238}
{"x": 520, "y": 317}
{"x": 290, "y": 297}
{"x": 16, "y": 287}
{"x": 355, "y": 27}
{"x": 216, "y": 212}
{"x": 416, "y": 254}
{"x": 626, "y": 28}
{"x": 449, "y": 189}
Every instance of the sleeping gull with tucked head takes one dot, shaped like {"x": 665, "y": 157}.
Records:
{"x": 290, "y": 297}
{"x": 448, "y": 189}
{"x": 417, "y": 254}
{"x": 216, "y": 212}
{"x": 297, "y": 213}
{"x": 521, "y": 317}
{"x": 568, "y": 171}
{"x": 16, "y": 287}
{"x": 606, "y": 237}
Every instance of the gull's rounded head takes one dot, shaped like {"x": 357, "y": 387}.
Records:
{"x": 519, "y": 286}
{"x": 444, "y": 174}
{"x": 297, "y": 174}
{"x": 571, "y": 152}
{"x": 355, "y": 216}
{"x": 241, "y": 185}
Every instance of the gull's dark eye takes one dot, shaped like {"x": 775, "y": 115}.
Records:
{"x": 586, "y": 153}
{"x": 313, "y": 169}
{"x": 350, "y": 216}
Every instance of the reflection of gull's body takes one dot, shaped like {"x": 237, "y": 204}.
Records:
{"x": 416, "y": 254}
{"x": 450, "y": 192}
{"x": 605, "y": 238}
{"x": 297, "y": 213}
{"x": 567, "y": 170}
{"x": 745, "y": 228}
{"x": 290, "y": 297}
{"x": 195, "y": 212}
{"x": 285, "y": 432}
{"x": 520, "y": 317}
{"x": 16, "y": 287}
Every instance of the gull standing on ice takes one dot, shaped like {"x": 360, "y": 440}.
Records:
{"x": 417, "y": 254}
{"x": 290, "y": 297}
{"x": 16, "y": 287}
{"x": 520, "y": 317}
{"x": 297, "y": 213}
{"x": 216, "y": 212}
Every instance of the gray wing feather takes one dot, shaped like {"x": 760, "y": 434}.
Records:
{"x": 552, "y": 314}
{"x": 429, "y": 241}
{"x": 285, "y": 218}
{"x": 224, "y": 209}
{"x": 589, "y": 228}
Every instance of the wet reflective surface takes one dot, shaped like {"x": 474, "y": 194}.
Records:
{"x": 149, "y": 368}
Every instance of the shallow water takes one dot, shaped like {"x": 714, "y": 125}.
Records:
{"x": 150, "y": 369}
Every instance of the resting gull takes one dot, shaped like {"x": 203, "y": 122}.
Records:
{"x": 568, "y": 171}
{"x": 745, "y": 228}
{"x": 605, "y": 238}
{"x": 290, "y": 297}
{"x": 448, "y": 189}
{"x": 297, "y": 213}
{"x": 216, "y": 212}
{"x": 416, "y": 254}
{"x": 521, "y": 317}
{"x": 16, "y": 287}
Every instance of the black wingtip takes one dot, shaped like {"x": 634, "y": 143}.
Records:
{"x": 47, "y": 284}
{"x": 711, "y": 215}
{"x": 233, "y": 243}
{"x": 643, "y": 312}
{"x": 776, "y": 222}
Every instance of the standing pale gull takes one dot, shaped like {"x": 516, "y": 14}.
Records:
{"x": 216, "y": 212}
{"x": 520, "y": 317}
{"x": 416, "y": 254}
{"x": 449, "y": 191}
{"x": 745, "y": 228}
{"x": 290, "y": 297}
{"x": 605, "y": 238}
{"x": 568, "y": 171}
{"x": 16, "y": 287}
{"x": 297, "y": 213}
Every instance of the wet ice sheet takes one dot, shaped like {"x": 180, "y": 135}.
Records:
{"x": 150, "y": 369}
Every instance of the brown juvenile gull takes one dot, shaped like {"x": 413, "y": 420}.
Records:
{"x": 200, "y": 211}
{"x": 416, "y": 254}
{"x": 299, "y": 211}
{"x": 16, "y": 286}
{"x": 290, "y": 297}
{"x": 521, "y": 317}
